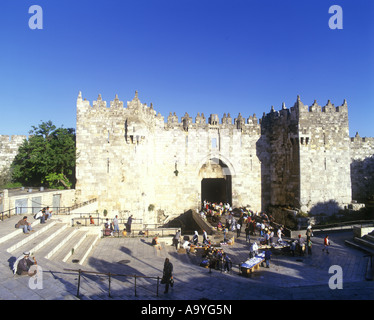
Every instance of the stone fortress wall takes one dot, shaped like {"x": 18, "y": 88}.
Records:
{"x": 129, "y": 158}
{"x": 8, "y": 150}
{"x": 362, "y": 167}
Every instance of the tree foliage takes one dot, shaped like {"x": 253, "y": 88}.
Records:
{"x": 47, "y": 158}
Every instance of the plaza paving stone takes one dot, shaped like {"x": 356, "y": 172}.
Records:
{"x": 288, "y": 278}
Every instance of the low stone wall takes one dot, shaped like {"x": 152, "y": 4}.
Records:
{"x": 203, "y": 224}
{"x": 360, "y": 231}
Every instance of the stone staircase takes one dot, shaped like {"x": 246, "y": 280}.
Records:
{"x": 55, "y": 241}
{"x": 366, "y": 245}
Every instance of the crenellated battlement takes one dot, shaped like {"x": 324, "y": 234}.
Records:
{"x": 12, "y": 139}
{"x": 141, "y": 110}
{"x": 300, "y": 109}
{"x": 359, "y": 140}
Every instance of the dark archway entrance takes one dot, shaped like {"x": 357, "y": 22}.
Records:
{"x": 216, "y": 182}
{"x": 216, "y": 190}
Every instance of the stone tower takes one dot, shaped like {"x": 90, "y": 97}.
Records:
{"x": 309, "y": 157}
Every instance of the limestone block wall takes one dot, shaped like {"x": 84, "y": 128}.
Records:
{"x": 37, "y": 198}
{"x": 281, "y": 170}
{"x": 308, "y": 157}
{"x": 130, "y": 158}
{"x": 362, "y": 167}
{"x": 8, "y": 150}
{"x": 325, "y": 179}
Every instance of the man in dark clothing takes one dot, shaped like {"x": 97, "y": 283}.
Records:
{"x": 267, "y": 257}
{"x": 227, "y": 262}
{"x": 167, "y": 277}
{"x": 128, "y": 224}
{"x": 247, "y": 231}
{"x": 301, "y": 245}
{"x": 24, "y": 265}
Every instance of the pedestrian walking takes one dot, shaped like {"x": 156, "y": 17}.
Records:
{"x": 247, "y": 234}
{"x": 176, "y": 239}
{"x": 309, "y": 244}
{"x": 279, "y": 234}
{"x": 267, "y": 257}
{"x": 128, "y": 224}
{"x": 309, "y": 233}
{"x": 205, "y": 237}
{"x": 238, "y": 229}
{"x": 167, "y": 276}
{"x": 115, "y": 224}
{"x": 227, "y": 262}
{"x": 225, "y": 235}
{"x": 326, "y": 244}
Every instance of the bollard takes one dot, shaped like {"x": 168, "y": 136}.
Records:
{"x": 135, "y": 285}
{"x": 158, "y": 280}
{"x": 79, "y": 281}
{"x": 109, "y": 285}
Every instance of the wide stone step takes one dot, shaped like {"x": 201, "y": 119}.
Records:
{"x": 19, "y": 232}
{"x": 21, "y": 239}
{"x": 82, "y": 251}
{"x": 369, "y": 237}
{"x": 56, "y": 244}
{"x": 41, "y": 242}
{"x": 69, "y": 246}
{"x": 364, "y": 242}
{"x": 358, "y": 246}
{"x": 8, "y": 230}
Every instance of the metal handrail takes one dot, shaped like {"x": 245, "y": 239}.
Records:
{"x": 342, "y": 224}
{"x": 4, "y": 213}
{"x": 109, "y": 274}
{"x": 160, "y": 232}
{"x": 56, "y": 210}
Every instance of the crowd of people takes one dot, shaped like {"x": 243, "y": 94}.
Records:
{"x": 258, "y": 225}
{"x": 110, "y": 227}
{"x": 235, "y": 220}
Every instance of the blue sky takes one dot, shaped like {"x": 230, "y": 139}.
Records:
{"x": 185, "y": 56}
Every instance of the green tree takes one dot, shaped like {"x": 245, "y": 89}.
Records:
{"x": 47, "y": 158}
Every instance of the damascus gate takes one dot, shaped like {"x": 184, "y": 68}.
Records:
{"x": 134, "y": 160}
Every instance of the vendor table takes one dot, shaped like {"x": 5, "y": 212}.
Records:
{"x": 252, "y": 264}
